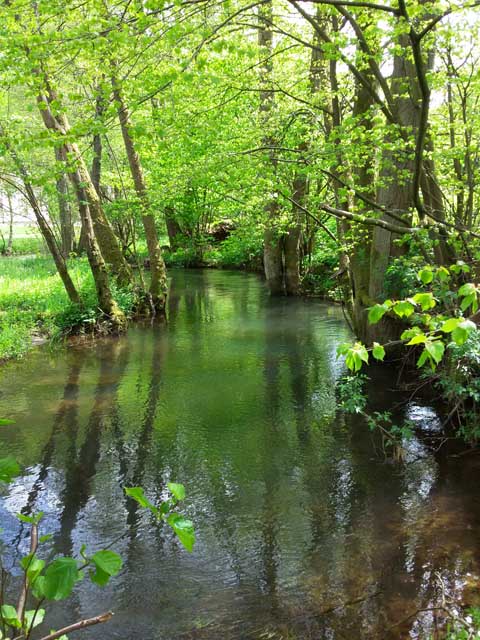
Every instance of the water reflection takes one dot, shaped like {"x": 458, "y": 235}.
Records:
{"x": 303, "y": 530}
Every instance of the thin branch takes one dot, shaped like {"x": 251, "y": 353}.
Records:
{"x": 311, "y": 215}
{"x": 23, "y": 594}
{"x": 358, "y": 3}
{"x": 77, "y": 626}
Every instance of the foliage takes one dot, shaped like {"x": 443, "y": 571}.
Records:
{"x": 465, "y": 626}
{"x": 47, "y": 581}
{"x": 445, "y": 336}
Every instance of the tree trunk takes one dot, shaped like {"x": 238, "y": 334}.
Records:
{"x": 64, "y": 212}
{"x": 272, "y": 253}
{"x": 397, "y": 173}
{"x": 173, "y": 228}
{"x": 158, "y": 273}
{"x": 9, "y": 247}
{"x": 83, "y": 184}
{"x": 43, "y": 225}
{"x": 97, "y": 264}
{"x": 361, "y": 236}
{"x": 292, "y": 239}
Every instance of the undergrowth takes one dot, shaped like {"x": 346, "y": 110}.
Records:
{"x": 33, "y": 302}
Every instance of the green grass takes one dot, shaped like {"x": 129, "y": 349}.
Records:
{"x": 33, "y": 300}
{"x": 26, "y": 240}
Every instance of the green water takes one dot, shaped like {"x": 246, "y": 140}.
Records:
{"x": 304, "y": 531}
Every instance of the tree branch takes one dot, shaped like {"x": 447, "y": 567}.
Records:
{"x": 77, "y": 626}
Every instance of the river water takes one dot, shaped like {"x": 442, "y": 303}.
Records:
{"x": 304, "y": 530}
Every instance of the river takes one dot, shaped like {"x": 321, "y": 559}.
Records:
{"x": 304, "y": 530}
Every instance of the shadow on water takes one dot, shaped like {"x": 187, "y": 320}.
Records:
{"x": 304, "y": 530}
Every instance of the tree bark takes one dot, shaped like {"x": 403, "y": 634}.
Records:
{"x": 272, "y": 252}
{"x": 397, "y": 174}
{"x": 173, "y": 228}
{"x": 83, "y": 186}
{"x": 158, "y": 273}
{"x": 292, "y": 238}
{"x": 64, "y": 212}
{"x": 97, "y": 264}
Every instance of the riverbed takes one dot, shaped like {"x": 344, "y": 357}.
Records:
{"x": 304, "y": 528}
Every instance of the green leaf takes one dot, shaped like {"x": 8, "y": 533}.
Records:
{"x": 343, "y": 349}
{"x": 33, "y": 567}
{"x": 410, "y": 333}
{"x": 467, "y": 289}
{"x": 9, "y": 616}
{"x": 60, "y": 578}
{"x": 107, "y": 564}
{"x": 435, "y": 350}
{"x": 423, "y": 358}
{"x": 5, "y": 421}
{"x": 355, "y": 356}
{"x": 139, "y": 496}
{"x": 177, "y": 489}
{"x": 184, "y": 530}
{"x": 33, "y": 618}
{"x": 8, "y": 469}
{"x": 403, "y": 309}
{"x": 443, "y": 274}
{"x": 449, "y": 325}
{"x": 35, "y": 519}
{"x": 462, "y": 331}
{"x": 420, "y": 338}
{"x": 425, "y": 300}
{"x": 378, "y": 351}
{"x": 376, "y": 313}
{"x": 45, "y": 538}
{"x": 426, "y": 275}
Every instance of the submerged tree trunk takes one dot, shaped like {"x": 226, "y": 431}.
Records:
{"x": 272, "y": 252}
{"x": 158, "y": 273}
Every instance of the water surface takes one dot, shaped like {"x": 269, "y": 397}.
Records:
{"x": 304, "y": 530}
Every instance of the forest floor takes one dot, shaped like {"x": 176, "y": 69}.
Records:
{"x": 33, "y": 301}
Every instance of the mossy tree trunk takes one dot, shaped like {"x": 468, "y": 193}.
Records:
{"x": 82, "y": 184}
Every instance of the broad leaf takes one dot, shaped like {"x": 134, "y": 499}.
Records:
{"x": 378, "y": 351}
{"x": 376, "y": 313}
{"x": 177, "y": 489}
{"x": 184, "y": 530}
{"x": 425, "y": 275}
{"x": 425, "y": 300}
{"x": 59, "y": 579}
{"x": 107, "y": 564}
{"x": 33, "y": 618}
{"x": 9, "y": 616}
{"x": 139, "y": 496}
{"x": 8, "y": 469}
{"x": 403, "y": 309}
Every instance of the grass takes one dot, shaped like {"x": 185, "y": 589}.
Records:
{"x": 26, "y": 240}
{"x": 33, "y": 301}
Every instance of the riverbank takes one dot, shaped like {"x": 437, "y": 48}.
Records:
{"x": 34, "y": 305}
